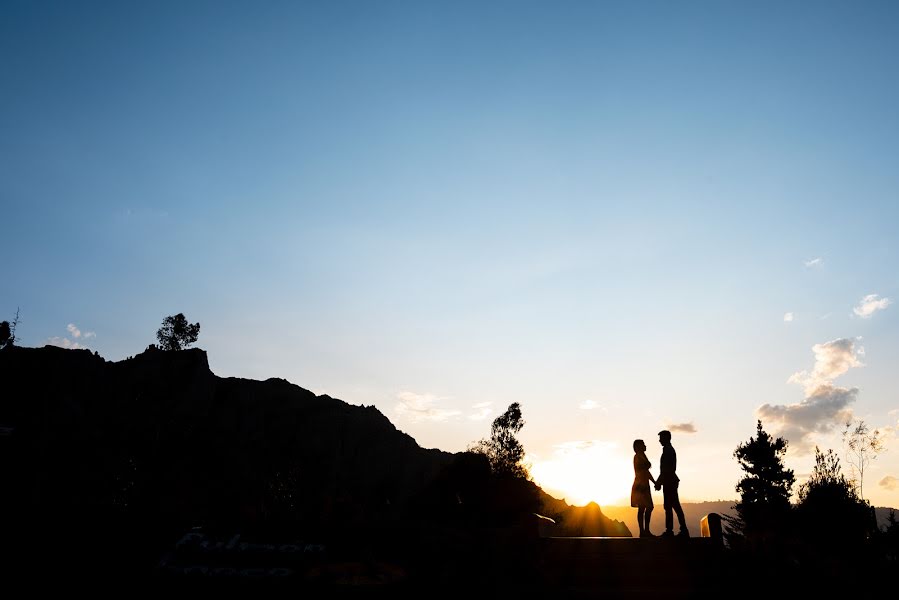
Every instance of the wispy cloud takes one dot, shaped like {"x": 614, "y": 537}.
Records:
{"x": 788, "y": 317}
{"x": 682, "y": 427}
{"x": 890, "y": 431}
{"x": 567, "y": 447}
{"x": 889, "y": 434}
{"x": 63, "y": 342}
{"x": 71, "y": 344}
{"x": 481, "y": 411}
{"x": 421, "y": 407}
{"x": 141, "y": 214}
{"x": 77, "y": 333}
{"x": 813, "y": 262}
{"x": 588, "y": 405}
{"x": 825, "y": 405}
{"x": 870, "y": 304}
{"x": 889, "y": 483}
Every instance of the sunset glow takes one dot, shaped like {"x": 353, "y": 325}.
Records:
{"x": 587, "y": 471}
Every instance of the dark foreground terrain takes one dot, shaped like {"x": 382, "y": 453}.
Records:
{"x": 153, "y": 475}
{"x": 430, "y": 561}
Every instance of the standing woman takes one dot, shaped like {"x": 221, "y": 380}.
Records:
{"x": 641, "y": 497}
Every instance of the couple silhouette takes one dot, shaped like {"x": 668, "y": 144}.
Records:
{"x": 667, "y": 481}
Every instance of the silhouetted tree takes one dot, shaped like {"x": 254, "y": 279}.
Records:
{"x": 826, "y": 474}
{"x": 764, "y": 508}
{"x": 6, "y": 338}
{"x": 830, "y": 512}
{"x": 862, "y": 446}
{"x": 8, "y": 331}
{"x": 503, "y": 449}
{"x": 891, "y": 538}
{"x": 176, "y": 333}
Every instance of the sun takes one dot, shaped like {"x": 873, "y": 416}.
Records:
{"x": 587, "y": 471}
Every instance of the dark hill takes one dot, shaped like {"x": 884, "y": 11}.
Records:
{"x": 131, "y": 454}
{"x": 161, "y": 434}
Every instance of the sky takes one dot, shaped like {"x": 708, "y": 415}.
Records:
{"x": 625, "y": 216}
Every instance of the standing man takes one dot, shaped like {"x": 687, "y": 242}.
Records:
{"x": 668, "y": 482}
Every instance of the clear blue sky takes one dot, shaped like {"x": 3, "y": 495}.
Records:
{"x": 603, "y": 211}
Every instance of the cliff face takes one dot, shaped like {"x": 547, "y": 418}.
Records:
{"x": 160, "y": 435}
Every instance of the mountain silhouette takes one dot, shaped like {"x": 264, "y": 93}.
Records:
{"x": 131, "y": 454}
{"x": 160, "y": 430}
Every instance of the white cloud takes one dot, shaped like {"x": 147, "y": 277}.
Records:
{"x": 420, "y": 407}
{"x": 588, "y": 405}
{"x": 74, "y": 343}
{"x": 788, "y": 317}
{"x": 832, "y": 359}
{"x": 889, "y": 483}
{"x": 814, "y": 262}
{"x": 870, "y": 304}
{"x": 77, "y": 333}
{"x": 825, "y": 405}
{"x": 62, "y": 342}
{"x": 817, "y": 414}
{"x": 889, "y": 432}
{"x": 481, "y": 411}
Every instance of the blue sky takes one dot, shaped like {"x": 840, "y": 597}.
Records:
{"x": 443, "y": 208}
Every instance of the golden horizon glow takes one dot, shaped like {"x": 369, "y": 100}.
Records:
{"x": 586, "y": 471}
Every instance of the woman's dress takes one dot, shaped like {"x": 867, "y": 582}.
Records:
{"x": 640, "y": 494}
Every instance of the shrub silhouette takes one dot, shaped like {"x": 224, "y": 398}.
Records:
{"x": 830, "y": 511}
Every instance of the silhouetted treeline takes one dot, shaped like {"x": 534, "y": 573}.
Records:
{"x": 827, "y": 540}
